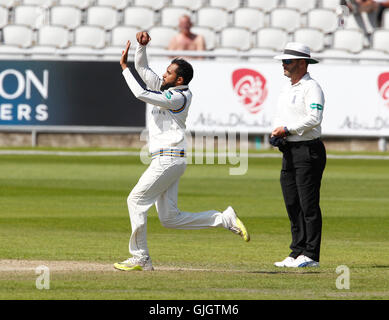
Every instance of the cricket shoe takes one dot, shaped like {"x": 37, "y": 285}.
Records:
{"x": 135, "y": 264}
{"x": 235, "y": 224}
{"x": 287, "y": 262}
{"x": 304, "y": 262}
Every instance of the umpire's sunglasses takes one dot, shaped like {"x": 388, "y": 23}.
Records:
{"x": 287, "y": 61}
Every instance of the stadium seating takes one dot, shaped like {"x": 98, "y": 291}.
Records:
{"x": 18, "y": 35}
{"x": 121, "y": 34}
{"x": 82, "y": 53}
{"x": 171, "y": 15}
{"x": 192, "y": 5}
{"x": 262, "y": 55}
{"x": 81, "y": 4}
{"x": 87, "y": 41}
{"x": 215, "y": 18}
{"x": 50, "y": 38}
{"x": 352, "y": 23}
{"x": 8, "y": 3}
{"x": 116, "y": 4}
{"x": 286, "y": 18}
{"x": 236, "y": 38}
{"x": 153, "y": 4}
{"x": 90, "y": 36}
{"x": 368, "y": 56}
{"x": 140, "y": 17}
{"x": 301, "y": 5}
{"x": 261, "y": 26}
{"x": 272, "y": 38}
{"x": 3, "y": 17}
{"x": 55, "y": 36}
{"x": 323, "y": 19}
{"x": 11, "y": 52}
{"x": 380, "y": 40}
{"x": 264, "y": 5}
{"x": 43, "y": 53}
{"x": 32, "y": 16}
{"x": 229, "y": 5}
{"x": 349, "y": 40}
{"x": 118, "y": 40}
{"x": 332, "y": 56}
{"x": 66, "y": 16}
{"x": 161, "y": 36}
{"x": 226, "y": 54}
{"x": 43, "y": 3}
{"x": 209, "y": 35}
{"x": 314, "y": 38}
{"x": 103, "y": 16}
{"x": 385, "y": 19}
{"x": 361, "y": 22}
{"x": 330, "y": 4}
{"x": 250, "y": 18}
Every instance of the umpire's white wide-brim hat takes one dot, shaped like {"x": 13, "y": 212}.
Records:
{"x": 295, "y": 50}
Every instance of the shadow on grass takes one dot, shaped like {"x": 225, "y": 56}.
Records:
{"x": 381, "y": 266}
{"x": 369, "y": 266}
{"x": 285, "y": 272}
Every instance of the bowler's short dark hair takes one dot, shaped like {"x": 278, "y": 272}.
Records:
{"x": 184, "y": 69}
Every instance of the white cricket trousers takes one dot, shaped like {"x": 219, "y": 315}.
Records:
{"x": 159, "y": 185}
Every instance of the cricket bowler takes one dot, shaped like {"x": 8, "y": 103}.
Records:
{"x": 171, "y": 99}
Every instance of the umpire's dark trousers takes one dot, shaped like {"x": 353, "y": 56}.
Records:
{"x": 303, "y": 164}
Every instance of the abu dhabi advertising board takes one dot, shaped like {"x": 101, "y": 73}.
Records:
{"x": 243, "y": 96}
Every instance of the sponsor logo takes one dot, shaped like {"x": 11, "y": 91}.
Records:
{"x": 316, "y": 106}
{"x": 23, "y": 96}
{"x": 250, "y": 87}
{"x": 168, "y": 94}
{"x": 383, "y": 87}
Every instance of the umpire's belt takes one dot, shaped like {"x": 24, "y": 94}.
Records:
{"x": 168, "y": 153}
{"x": 302, "y": 143}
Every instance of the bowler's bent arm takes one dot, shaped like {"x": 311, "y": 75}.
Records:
{"x": 168, "y": 99}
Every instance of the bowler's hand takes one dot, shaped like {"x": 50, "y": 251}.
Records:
{"x": 143, "y": 38}
{"x": 278, "y": 132}
{"x": 123, "y": 59}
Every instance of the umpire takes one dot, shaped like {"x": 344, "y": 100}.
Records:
{"x": 297, "y": 134}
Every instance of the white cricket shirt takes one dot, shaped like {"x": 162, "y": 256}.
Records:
{"x": 168, "y": 116}
{"x": 300, "y": 109}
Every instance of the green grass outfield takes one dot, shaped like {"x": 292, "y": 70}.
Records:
{"x": 73, "y": 209}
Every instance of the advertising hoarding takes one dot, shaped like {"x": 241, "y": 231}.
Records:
{"x": 242, "y": 96}
{"x": 67, "y": 93}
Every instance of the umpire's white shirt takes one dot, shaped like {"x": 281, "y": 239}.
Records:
{"x": 170, "y": 107}
{"x": 300, "y": 109}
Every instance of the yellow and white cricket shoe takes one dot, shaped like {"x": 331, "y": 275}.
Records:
{"x": 235, "y": 224}
{"x": 135, "y": 264}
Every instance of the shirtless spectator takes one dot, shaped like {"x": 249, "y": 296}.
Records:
{"x": 185, "y": 39}
{"x": 365, "y": 13}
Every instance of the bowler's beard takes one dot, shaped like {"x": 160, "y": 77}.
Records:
{"x": 167, "y": 85}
